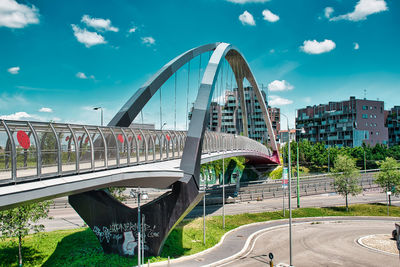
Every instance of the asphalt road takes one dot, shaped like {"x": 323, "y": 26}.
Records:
{"x": 67, "y": 218}
{"x": 321, "y": 244}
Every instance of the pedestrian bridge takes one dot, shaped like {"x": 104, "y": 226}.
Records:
{"x": 46, "y": 160}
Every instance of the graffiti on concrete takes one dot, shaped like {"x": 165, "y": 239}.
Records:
{"x": 123, "y": 234}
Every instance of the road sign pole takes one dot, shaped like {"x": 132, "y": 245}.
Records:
{"x": 298, "y": 177}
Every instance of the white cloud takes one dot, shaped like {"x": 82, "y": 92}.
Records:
{"x": 47, "y": 110}
{"x": 99, "y": 24}
{"x": 86, "y": 37}
{"x": 363, "y": 9}
{"x": 269, "y": 16}
{"x": 247, "y": 18}
{"x": 277, "y": 86}
{"x": 132, "y": 30}
{"x": 315, "y": 47}
{"x": 148, "y": 40}
{"x": 14, "y": 70}
{"x": 16, "y": 116}
{"x": 328, "y": 12}
{"x": 247, "y": 1}
{"x": 15, "y": 15}
{"x": 275, "y": 100}
{"x": 356, "y": 46}
{"x": 81, "y": 75}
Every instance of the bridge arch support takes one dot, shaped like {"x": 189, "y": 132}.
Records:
{"x": 101, "y": 211}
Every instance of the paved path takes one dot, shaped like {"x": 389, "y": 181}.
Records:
{"x": 67, "y": 218}
{"x": 326, "y": 244}
{"x": 329, "y": 243}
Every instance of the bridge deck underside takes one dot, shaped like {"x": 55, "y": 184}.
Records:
{"x": 152, "y": 175}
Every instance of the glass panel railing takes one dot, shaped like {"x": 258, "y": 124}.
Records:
{"x": 68, "y": 148}
{"x": 48, "y": 148}
{"x": 99, "y": 148}
{"x": 111, "y": 146}
{"x": 84, "y": 148}
{"x": 26, "y": 150}
{"x": 123, "y": 148}
{"x": 5, "y": 156}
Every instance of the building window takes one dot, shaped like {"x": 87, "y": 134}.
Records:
{"x": 365, "y": 116}
{"x": 377, "y": 133}
{"x": 370, "y": 107}
{"x": 375, "y": 124}
{"x": 365, "y": 107}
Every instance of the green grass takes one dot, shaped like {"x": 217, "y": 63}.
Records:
{"x": 79, "y": 247}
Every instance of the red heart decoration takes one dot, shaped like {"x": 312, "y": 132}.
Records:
{"x": 23, "y": 139}
{"x": 120, "y": 138}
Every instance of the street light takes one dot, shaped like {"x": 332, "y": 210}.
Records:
{"x": 101, "y": 109}
{"x": 162, "y": 126}
{"x": 298, "y": 171}
{"x": 290, "y": 189}
{"x": 223, "y": 183}
{"x": 139, "y": 194}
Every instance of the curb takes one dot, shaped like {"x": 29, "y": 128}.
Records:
{"x": 360, "y": 242}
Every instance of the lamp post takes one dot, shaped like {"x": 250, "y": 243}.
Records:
{"x": 101, "y": 109}
{"x": 290, "y": 189}
{"x": 139, "y": 194}
{"x": 162, "y": 126}
{"x": 223, "y": 184}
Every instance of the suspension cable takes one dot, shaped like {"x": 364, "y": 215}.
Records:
{"x": 175, "y": 103}
{"x": 187, "y": 96}
{"x": 160, "y": 110}
{"x": 199, "y": 69}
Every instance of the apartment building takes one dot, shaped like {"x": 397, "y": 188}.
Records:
{"x": 393, "y": 125}
{"x": 346, "y": 123}
{"x": 227, "y": 117}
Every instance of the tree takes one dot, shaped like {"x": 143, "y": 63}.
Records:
{"x": 118, "y": 193}
{"x": 389, "y": 176}
{"x": 346, "y": 177}
{"x": 17, "y": 222}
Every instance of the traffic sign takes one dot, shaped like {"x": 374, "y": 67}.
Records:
{"x": 285, "y": 177}
{"x": 271, "y": 256}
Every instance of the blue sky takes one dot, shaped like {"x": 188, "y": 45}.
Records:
{"x": 59, "y": 59}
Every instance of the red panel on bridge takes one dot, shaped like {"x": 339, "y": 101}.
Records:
{"x": 120, "y": 138}
{"x": 168, "y": 137}
{"x": 23, "y": 139}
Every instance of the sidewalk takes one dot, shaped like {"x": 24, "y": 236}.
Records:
{"x": 236, "y": 242}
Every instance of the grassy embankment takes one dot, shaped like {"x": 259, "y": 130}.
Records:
{"x": 79, "y": 247}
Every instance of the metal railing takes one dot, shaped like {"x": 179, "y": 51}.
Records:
{"x": 36, "y": 150}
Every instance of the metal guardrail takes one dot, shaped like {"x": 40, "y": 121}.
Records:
{"x": 36, "y": 150}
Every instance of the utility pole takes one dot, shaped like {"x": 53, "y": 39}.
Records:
{"x": 223, "y": 185}
{"x": 298, "y": 176}
{"x": 290, "y": 207}
{"x": 365, "y": 163}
